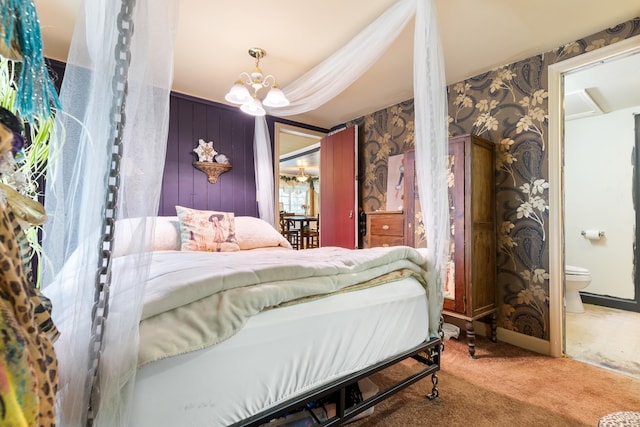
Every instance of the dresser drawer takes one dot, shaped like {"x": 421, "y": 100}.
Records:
{"x": 377, "y": 240}
{"x": 387, "y": 224}
{"x": 385, "y": 228}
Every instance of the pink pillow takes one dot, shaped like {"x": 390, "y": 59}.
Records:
{"x": 207, "y": 230}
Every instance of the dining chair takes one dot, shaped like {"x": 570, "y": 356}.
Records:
{"x": 292, "y": 234}
{"x": 311, "y": 236}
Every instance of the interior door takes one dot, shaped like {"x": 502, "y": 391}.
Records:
{"x": 338, "y": 189}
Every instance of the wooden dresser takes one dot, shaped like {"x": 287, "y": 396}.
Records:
{"x": 385, "y": 228}
{"x": 395, "y": 228}
{"x": 470, "y": 289}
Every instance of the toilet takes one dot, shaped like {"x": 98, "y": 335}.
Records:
{"x": 576, "y": 278}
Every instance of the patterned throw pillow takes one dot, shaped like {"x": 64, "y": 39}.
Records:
{"x": 207, "y": 230}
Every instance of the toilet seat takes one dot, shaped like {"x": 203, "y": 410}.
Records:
{"x": 577, "y": 273}
{"x": 576, "y": 279}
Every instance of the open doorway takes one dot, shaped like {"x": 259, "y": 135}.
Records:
{"x": 567, "y": 243}
{"x": 297, "y": 170}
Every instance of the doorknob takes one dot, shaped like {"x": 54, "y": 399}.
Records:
{"x": 351, "y": 214}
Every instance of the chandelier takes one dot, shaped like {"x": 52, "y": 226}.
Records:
{"x": 301, "y": 176}
{"x": 245, "y": 90}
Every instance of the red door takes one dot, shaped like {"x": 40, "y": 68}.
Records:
{"x": 338, "y": 189}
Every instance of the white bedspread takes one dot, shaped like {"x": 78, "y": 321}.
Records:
{"x": 279, "y": 354}
{"x": 197, "y": 299}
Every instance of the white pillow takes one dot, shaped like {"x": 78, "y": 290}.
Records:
{"x": 253, "y": 233}
{"x": 165, "y": 238}
{"x": 167, "y": 234}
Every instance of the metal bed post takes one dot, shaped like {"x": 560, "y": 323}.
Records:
{"x": 100, "y": 309}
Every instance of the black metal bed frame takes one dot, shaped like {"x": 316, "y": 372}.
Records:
{"x": 433, "y": 349}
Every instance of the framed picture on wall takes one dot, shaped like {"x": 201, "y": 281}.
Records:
{"x": 395, "y": 182}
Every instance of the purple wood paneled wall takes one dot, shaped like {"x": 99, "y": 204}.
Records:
{"x": 231, "y": 131}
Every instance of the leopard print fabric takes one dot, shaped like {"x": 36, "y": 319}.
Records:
{"x": 620, "y": 419}
{"x": 28, "y": 365}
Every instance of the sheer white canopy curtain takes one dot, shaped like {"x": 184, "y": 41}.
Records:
{"x": 80, "y": 192}
{"x": 337, "y": 72}
{"x": 133, "y": 41}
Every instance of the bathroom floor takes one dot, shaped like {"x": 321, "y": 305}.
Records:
{"x": 605, "y": 337}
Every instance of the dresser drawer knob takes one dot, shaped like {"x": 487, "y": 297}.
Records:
{"x": 385, "y": 227}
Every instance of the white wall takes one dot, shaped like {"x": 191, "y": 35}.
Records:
{"x": 598, "y": 195}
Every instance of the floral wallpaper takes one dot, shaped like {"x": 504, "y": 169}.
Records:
{"x": 508, "y": 106}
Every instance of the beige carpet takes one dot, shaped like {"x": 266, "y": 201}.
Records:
{"x": 505, "y": 386}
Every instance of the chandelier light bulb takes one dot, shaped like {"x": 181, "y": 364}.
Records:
{"x": 276, "y": 98}
{"x": 238, "y": 94}
{"x": 253, "y": 108}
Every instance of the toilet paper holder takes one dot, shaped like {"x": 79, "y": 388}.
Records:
{"x": 600, "y": 233}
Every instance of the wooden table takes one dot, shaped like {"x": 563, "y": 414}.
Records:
{"x": 300, "y": 222}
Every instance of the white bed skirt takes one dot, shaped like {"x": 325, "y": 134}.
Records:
{"x": 281, "y": 353}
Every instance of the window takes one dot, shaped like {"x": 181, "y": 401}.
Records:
{"x": 293, "y": 196}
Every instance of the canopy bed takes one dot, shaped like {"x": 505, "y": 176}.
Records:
{"x": 240, "y": 336}
{"x": 85, "y": 244}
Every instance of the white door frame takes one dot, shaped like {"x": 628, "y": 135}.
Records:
{"x": 280, "y": 129}
{"x": 556, "y": 178}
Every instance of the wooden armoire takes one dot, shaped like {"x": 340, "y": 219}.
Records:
{"x": 470, "y": 288}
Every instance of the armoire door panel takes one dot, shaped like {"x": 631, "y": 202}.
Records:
{"x": 483, "y": 266}
{"x": 471, "y": 278}
{"x": 482, "y": 184}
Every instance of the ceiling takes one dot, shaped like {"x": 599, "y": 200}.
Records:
{"x": 297, "y": 151}
{"x": 607, "y": 86}
{"x": 213, "y": 38}
{"x": 211, "y": 50}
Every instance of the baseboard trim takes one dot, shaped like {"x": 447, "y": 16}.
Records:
{"x": 505, "y": 335}
{"x": 611, "y": 302}
{"x": 524, "y": 341}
